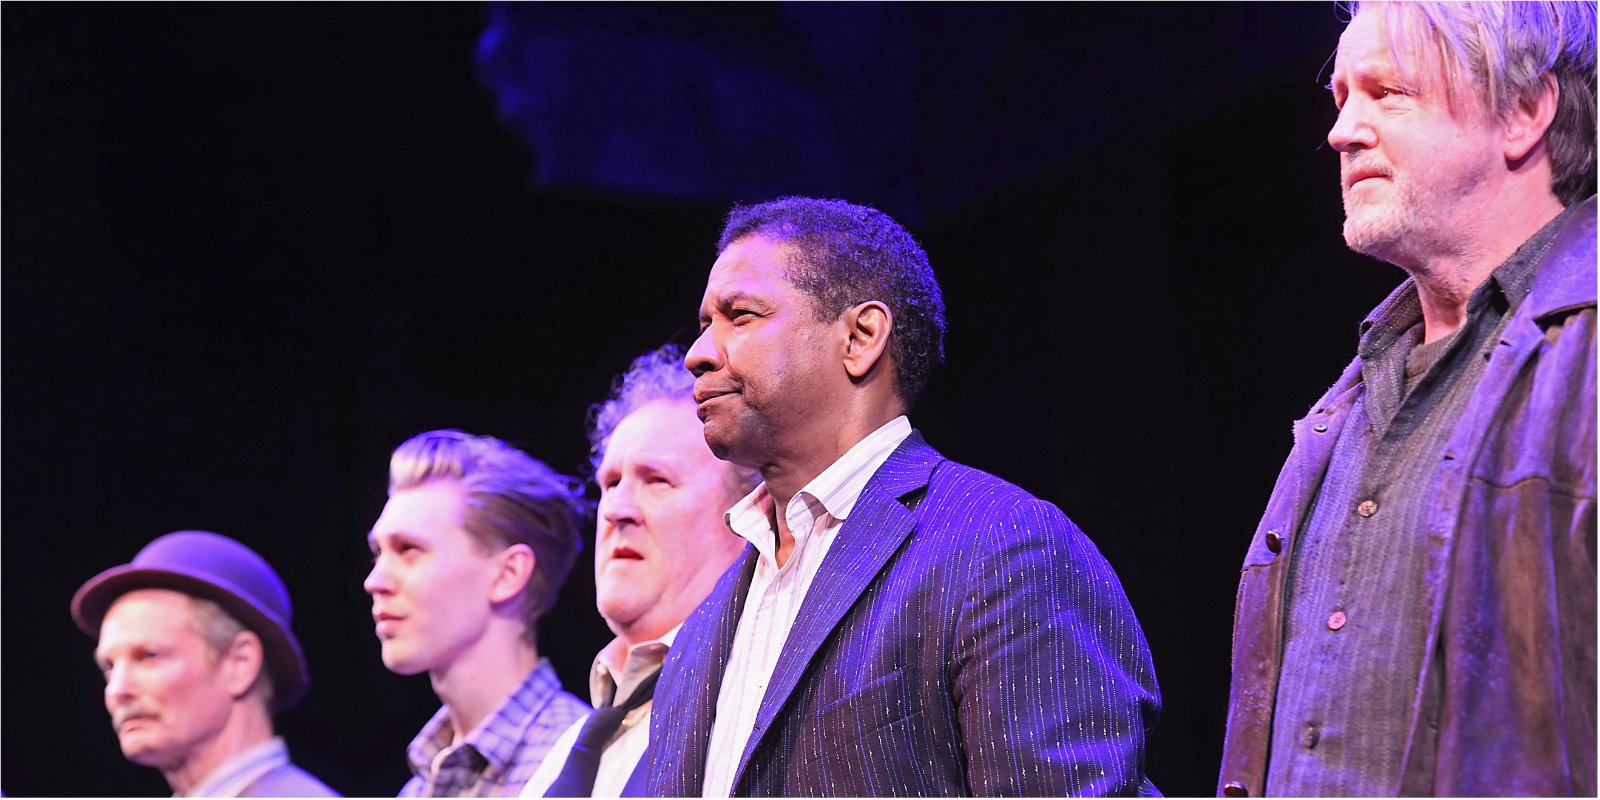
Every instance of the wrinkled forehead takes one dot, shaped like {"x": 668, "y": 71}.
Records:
{"x": 763, "y": 271}
{"x": 1399, "y": 41}
{"x": 145, "y": 613}
{"x": 662, "y": 432}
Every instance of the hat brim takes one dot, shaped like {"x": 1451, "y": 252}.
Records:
{"x": 285, "y": 660}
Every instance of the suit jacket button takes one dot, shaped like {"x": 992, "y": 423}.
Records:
{"x": 1234, "y": 789}
{"x": 1274, "y": 542}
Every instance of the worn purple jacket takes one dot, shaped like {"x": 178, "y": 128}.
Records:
{"x": 1511, "y": 562}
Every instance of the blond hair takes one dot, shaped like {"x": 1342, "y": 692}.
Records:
{"x": 511, "y": 498}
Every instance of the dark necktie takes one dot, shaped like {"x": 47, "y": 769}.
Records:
{"x": 577, "y": 775}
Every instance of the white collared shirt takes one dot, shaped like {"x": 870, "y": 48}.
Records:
{"x": 621, "y": 756}
{"x": 815, "y": 515}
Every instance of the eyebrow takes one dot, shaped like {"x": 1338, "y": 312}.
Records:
{"x": 654, "y": 466}
{"x": 739, "y": 295}
{"x": 729, "y": 298}
{"x": 1378, "y": 68}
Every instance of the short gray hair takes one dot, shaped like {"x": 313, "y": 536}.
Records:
{"x": 219, "y": 628}
{"x": 1504, "y": 50}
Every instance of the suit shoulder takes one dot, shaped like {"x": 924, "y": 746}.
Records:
{"x": 954, "y": 482}
{"x": 966, "y": 502}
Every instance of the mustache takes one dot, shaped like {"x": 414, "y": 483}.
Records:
{"x": 1368, "y": 165}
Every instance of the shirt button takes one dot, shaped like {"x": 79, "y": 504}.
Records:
{"x": 1234, "y": 789}
{"x": 1310, "y": 736}
{"x": 1274, "y": 542}
{"x": 1336, "y": 620}
{"x": 1321, "y": 427}
{"x": 1367, "y": 508}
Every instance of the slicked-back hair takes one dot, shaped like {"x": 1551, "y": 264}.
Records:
{"x": 1502, "y": 51}
{"x": 843, "y": 255}
{"x": 511, "y": 498}
{"x": 656, "y": 375}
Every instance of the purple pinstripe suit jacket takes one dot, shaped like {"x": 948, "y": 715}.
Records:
{"x": 961, "y": 637}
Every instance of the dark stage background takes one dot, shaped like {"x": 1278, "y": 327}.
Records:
{"x": 248, "y": 249}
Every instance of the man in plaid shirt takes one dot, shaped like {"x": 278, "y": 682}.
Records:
{"x": 469, "y": 552}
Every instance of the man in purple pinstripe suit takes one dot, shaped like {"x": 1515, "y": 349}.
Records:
{"x": 898, "y": 624}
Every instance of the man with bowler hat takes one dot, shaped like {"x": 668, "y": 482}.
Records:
{"x": 195, "y": 644}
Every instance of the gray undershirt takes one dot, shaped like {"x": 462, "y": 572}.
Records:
{"x": 1356, "y": 620}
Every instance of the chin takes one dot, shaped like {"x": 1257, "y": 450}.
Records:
{"x": 1369, "y": 234}
{"x": 728, "y": 449}
{"x": 143, "y": 753}
{"x": 621, "y": 612}
{"x": 399, "y": 664}
{"x": 719, "y": 444}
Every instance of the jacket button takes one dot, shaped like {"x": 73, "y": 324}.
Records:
{"x": 1367, "y": 508}
{"x": 1336, "y": 620}
{"x": 1321, "y": 427}
{"x": 1274, "y": 542}
{"x": 1234, "y": 789}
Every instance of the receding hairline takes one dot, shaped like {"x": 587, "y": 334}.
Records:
{"x": 193, "y": 606}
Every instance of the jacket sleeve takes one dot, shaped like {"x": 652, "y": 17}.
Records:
{"x": 1053, "y": 683}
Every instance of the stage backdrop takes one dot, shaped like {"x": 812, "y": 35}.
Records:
{"x": 248, "y": 249}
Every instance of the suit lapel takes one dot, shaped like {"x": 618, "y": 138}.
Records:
{"x": 877, "y": 526}
{"x": 701, "y": 674}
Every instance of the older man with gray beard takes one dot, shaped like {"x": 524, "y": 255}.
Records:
{"x": 1417, "y": 610}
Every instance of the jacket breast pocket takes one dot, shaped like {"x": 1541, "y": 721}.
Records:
{"x": 866, "y": 714}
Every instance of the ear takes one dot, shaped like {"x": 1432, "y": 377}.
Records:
{"x": 1530, "y": 118}
{"x": 514, "y": 571}
{"x": 242, "y": 664}
{"x": 867, "y": 327}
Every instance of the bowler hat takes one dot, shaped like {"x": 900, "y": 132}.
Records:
{"x": 219, "y": 569}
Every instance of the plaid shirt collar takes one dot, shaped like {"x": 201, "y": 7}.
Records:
{"x": 502, "y": 751}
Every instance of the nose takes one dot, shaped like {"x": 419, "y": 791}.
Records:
{"x": 377, "y": 581}
{"x": 1351, "y": 131}
{"x": 702, "y": 355}
{"x": 617, "y": 507}
{"x": 119, "y": 687}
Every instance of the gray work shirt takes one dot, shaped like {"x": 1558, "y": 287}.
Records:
{"x": 1355, "y": 627}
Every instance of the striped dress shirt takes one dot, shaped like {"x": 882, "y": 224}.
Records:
{"x": 814, "y": 515}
